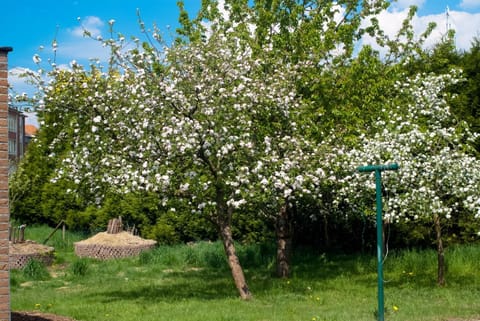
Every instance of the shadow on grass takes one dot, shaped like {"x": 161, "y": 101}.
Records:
{"x": 174, "y": 286}
{"x": 324, "y": 271}
{"x": 399, "y": 270}
{"x": 213, "y": 284}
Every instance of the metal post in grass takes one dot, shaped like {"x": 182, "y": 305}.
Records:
{"x": 378, "y": 169}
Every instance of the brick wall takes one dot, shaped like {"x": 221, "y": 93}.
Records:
{"x": 4, "y": 210}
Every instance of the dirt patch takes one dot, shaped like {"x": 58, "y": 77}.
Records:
{"x": 38, "y": 316}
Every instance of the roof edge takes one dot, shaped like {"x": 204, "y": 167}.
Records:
{"x": 6, "y": 49}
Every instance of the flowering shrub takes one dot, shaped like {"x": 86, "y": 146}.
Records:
{"x": 208, "y": 123}
{"x": 439, "y": 173}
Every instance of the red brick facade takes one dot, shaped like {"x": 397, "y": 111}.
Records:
{"x": 4, "y": 166}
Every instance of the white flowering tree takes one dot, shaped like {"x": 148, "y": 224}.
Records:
{"x": 314, "y": 38}
{"x": 205, "y": 122}
{"x": 439, "y": 175}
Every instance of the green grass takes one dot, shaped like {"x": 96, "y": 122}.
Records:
{"x": 178, "y": 283}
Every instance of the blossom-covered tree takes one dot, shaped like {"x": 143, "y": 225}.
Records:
{"x": 313, "y": 37}
{"x": 439, "y": 174}
{"x": 195, "y": 123}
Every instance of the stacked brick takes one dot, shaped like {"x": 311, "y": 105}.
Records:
{"x": 4, "y": 209}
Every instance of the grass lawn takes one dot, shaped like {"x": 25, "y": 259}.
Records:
{"x": 180, "y": 283}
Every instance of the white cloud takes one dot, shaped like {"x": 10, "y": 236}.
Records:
{"x": 92, "y": 24}
{"x": 74, "y": 45}
{"x": 466, "y": 26}
{"x": 400, "y": 5}
{"x": 18, "y": 81}
{"x": 81, "y": 49}
{"x": 20, "y": 85}
{"x": 470, "y": 4}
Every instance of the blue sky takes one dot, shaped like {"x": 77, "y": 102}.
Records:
{"x": 31, "y": 24}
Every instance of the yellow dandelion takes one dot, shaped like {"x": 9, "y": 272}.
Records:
{"x": 395, "y": 308}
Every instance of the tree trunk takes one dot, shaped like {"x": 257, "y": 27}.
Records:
{"x": 440, "y": 251}
{"x": 233, "y": 262}
{"x": 223, "y": 220}
{"x": 325, "y": 230}
{"x": 284, "y": 241}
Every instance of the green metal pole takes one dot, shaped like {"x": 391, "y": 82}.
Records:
{"x": 381, "y": 302}
{"x": 378, "y": 189}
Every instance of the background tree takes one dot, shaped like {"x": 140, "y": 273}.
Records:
{"x": 467, "y": 107}
{"x": 30, "y": 185}
{"x": 439, "y": 176}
